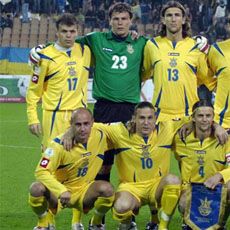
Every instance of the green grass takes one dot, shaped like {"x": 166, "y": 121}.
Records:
{"x": 19, "y": 155}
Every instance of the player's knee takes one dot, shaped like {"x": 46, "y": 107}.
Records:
{"x": 105, "y": 189}
{"x": 172, "y": 179}
{"x": 121, "y": 215}
{"x": 122, "y": 205}
{"x": 37, "y": 189}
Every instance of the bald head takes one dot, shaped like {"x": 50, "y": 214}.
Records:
{"x": 82, "y": 122}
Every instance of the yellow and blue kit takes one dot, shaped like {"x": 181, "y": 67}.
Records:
{"x": 61, "y": 171}
{"x": 61, "y": 83}
{"x": 176, "y": 69}
{"x": 200, "y": 160}
{"x": 219, "y": 62}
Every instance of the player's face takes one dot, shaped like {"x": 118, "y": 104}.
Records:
{"x": 173, "y": 20}
{"x": 203, "y": 118}
{"x": 66, "y": 35}
{"x": 120, "y": 23}
{"x": 145, "y": 121}
{"x": 82, "y": 123}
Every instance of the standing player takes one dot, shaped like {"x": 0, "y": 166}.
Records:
{"x": 66, "y": 179}
{"x": 201, "y": 158}
{"x": 219, "y": 62}
{"x": 118, "y": 60}
{"x": 117, "y": 81}
{"x": 177, "y": 66}
{"x": 60, "y": 81}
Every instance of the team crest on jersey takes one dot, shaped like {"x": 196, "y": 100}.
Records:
{"x": 205, "y": 207}
{"x": 49, "y": 152}
{"x": 173, "y": 62}
{"x": 72, "y": 72}
{"x": 145, "y": 151}
{"x": 200, "y": 160}
{"x": 130, "y": 49}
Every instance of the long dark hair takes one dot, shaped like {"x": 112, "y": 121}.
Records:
{"x": 186, "y": 27}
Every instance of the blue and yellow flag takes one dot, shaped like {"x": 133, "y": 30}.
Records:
{"x": 205, "y": 207}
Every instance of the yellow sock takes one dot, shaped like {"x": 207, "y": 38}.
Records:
{"x": 123, "y": 217}
{"x": 46, "y": 219}
{"x": 101, "y": 205}
{"x": 38, "y": 204}
{"x": 169, "y": 199}
{"x": 76, "y": 216}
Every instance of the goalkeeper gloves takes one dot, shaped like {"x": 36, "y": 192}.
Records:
{"x": 202, "y": 43}
{"x": 34, "y": 56}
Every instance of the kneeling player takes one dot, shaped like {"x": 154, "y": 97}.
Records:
{"x": 66, "y": 179}
{"x": 203, "y": 160}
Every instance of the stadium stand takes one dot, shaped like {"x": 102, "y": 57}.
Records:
{"x": 40, "y": 28}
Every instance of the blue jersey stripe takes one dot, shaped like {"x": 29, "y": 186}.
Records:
{"x": 219, "y": 71}
{"x": 218, "y": 49}
{"x": 222, "y": 113}
{"x": 54, "y": 114}
{"x": 50, "y": 76}
{"x": 154, "y": 42}
{"x": 43, "y": 56}
{"x": 186, "y": 103}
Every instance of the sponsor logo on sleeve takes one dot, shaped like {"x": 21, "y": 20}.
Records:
{"x": 34, "y": 78}
{"x": 44, "y": 162}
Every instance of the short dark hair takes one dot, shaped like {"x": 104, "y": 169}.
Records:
{"x": 120, "y": 7}
{"x": 186, "y": 27}
{"x": 143, "y": 104}
{"x": 66, "y": 19}
{"x": 202, "y": 103}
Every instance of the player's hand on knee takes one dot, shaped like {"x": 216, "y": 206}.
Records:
{"x": 202, "y": 43}
{"x": 34, "y": 57}
{"x": 35, "y": 129}
{"x": 213, "y": 181}
{"x": 65, "y": 199}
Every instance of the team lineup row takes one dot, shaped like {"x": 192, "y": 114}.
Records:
{"x": 172, "y": 60}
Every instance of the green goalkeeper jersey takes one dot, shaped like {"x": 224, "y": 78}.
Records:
{"x": 118, "y": 65}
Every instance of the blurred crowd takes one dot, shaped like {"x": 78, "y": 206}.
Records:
{"x": 208, "y": 17}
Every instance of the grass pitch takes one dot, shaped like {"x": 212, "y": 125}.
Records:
{"x": 19, "y": 155}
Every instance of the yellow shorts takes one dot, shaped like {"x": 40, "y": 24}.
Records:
{"x": 143, "y": 191}
{"x": 77, "y": 198}
{"x": 54, "y": 123}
